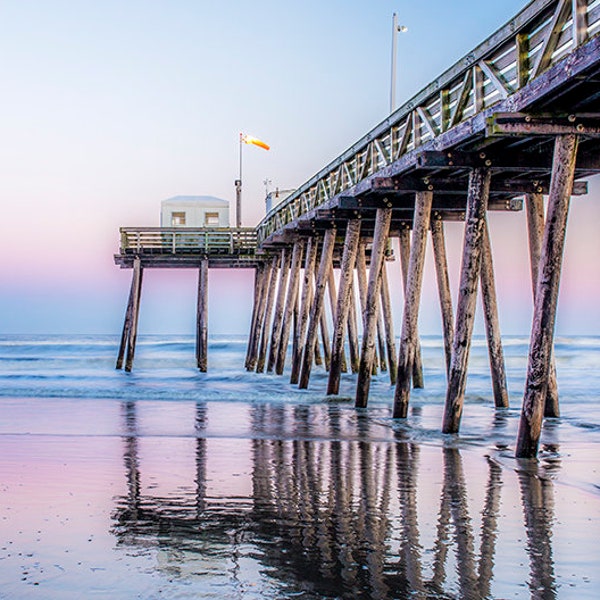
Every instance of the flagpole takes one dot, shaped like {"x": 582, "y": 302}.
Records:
{"x": 238, "y": 193}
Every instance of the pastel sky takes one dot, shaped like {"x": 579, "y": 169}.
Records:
{"x": 110, "y": 107}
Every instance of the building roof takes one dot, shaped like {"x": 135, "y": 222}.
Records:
{"x": 211, "y": 201}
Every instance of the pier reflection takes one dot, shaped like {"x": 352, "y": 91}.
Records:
{"x": 329, "y": 503}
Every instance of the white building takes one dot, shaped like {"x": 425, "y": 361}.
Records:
{"x": 274, "y": 198}
{"x": 194, "y": 211}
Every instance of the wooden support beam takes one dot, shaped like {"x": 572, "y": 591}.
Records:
{"x": 492, "y": 324}
{"x": 279, "y": 309}
{"x": 546, "y": 297}
{"x": 325, "y": 342}
{"x": 443, "y": 284}
{"x": 479, "y": 185}
{"x": 535, "y": 226}
{"x": 404, "y": 245}
{"x": 135, "y": 313}
{"x": 127, "y": 322}
{"x": 353, "y": 331}
{"x": 331, "y": 288}
{"x": 343, "y": 305}
{"x": 388, "y": 324}
{"x": 262, "y": 351}
{"x": 265, "y": 285}
{"x": 258, "y": 278}
{"x": 202, "y": 318}
{"x": 316, "y": 310}
{"x": 382, "y": 226}
{"x": 361, "y": 275}
{"x": 305, "y": 303}
{"x": 409, "y": 337}
{"x": 381, "y": 339}
{"x": 520, "y": 124}
{"x": 290, "y": 304}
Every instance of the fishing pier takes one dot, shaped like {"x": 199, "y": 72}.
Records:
{"x": 515, "y": 120}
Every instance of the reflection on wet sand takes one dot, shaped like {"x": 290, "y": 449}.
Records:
{"x": 333, "y": 510}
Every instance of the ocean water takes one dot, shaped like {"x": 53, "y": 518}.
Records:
{"x": 169, "y": 483}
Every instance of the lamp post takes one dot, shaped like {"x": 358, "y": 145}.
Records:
{"x": 395, "y": 30}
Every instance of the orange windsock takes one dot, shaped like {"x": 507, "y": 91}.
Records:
{"x": 248, "y": 139}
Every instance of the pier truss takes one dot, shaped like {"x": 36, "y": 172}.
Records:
{"x": 514, "y": 120}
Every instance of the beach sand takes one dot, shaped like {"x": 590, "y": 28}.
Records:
{"x": 155, "y": 499}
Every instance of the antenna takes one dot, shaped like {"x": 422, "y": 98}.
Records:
{"x": 267, "y": 183}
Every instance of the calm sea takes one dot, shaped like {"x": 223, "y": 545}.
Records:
{"x": 169, "y": 483}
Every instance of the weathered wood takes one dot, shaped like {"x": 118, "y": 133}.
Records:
{"x": 388, "y": 324}
{"x": 361, "y": 275}
{"x": 546, "y": 297}
{"x": 479, "y": 184}
{"x": 135, "y": 313}
{"x": 279, "y": 309}
{"x": 316, "y": 310}
{"x": 492, "y": 324}
{"x": 331, "y": 288}
{"x": 265, "y": 285}
{"x": 305, "y": 302}
{"x": 291, "y": 298}
{"x": 443, "y": 284}
{"x": 404, "y": 246}
{"x": 343, "y": 304}
{"x": 258, "y": 279}
{"x": 262, "y": 351}
{"x": 353, "y": 331}
{"x": 412, "y": 301}
{"x": 382, "y": 226}
{"x": 202, "y": 317}
{"x": 126, "y": 322}
{"x": 535, "y": 226}
{"x": 380, "y": 354}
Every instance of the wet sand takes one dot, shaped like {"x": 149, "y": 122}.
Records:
{"x": 135, "y": 499}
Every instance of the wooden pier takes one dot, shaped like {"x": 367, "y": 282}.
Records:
{"x": 516, "y": 119}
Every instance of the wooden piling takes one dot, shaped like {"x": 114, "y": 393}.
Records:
{"x": 265, "y": 285}
{"x": 388, "y": 324}
{"x": 477, "y": 200}
{"x": 316, "y": 310}
{"x": 405, "y": 245}
{"x": 492, "y": 324}
{"x": 135, "y": 313}
{"x": 353, "y": 331}
{"x": 343, "y": 304}
{"x": 305, "y": 302}
{"x": 382, "y": 226}
{"x": 331, "y": 288}
{"x": 361, "y": 276}
{"x": 258, "y": 277}
{"x": 202, "y": 317}
{"x": 262, "y": 351}
{"x": 546, "y": 297}
{"x": 291, "y": 299}
{"x": 412, "y": 301}
{"x": 443, "y": 284}
{"x": 126, "y": 322}
{"x": 279, "y": 309}
{"x": 535, "y": 225}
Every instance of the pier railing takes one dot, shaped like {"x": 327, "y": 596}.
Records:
{"x": 188, "y": 240}
{"x": 542, "y": 34}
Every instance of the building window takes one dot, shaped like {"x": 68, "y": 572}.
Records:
{"x": 177, "y": 218}
{"x": 211, "y": 218}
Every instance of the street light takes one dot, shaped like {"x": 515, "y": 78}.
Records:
{"x": 395, "y": 30}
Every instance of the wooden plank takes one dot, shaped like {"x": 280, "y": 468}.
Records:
{"x": 316, "y": 309}
{"x": 546, "y": 297}
{"x": 382, "y": 226}
{"x": 412, "y": 299}
{"x": 479, "y": 184}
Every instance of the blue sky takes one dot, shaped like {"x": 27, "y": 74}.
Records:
{"x": 110, "y": 107}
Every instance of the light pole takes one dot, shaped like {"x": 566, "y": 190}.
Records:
{"x": 395, "y": 30}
